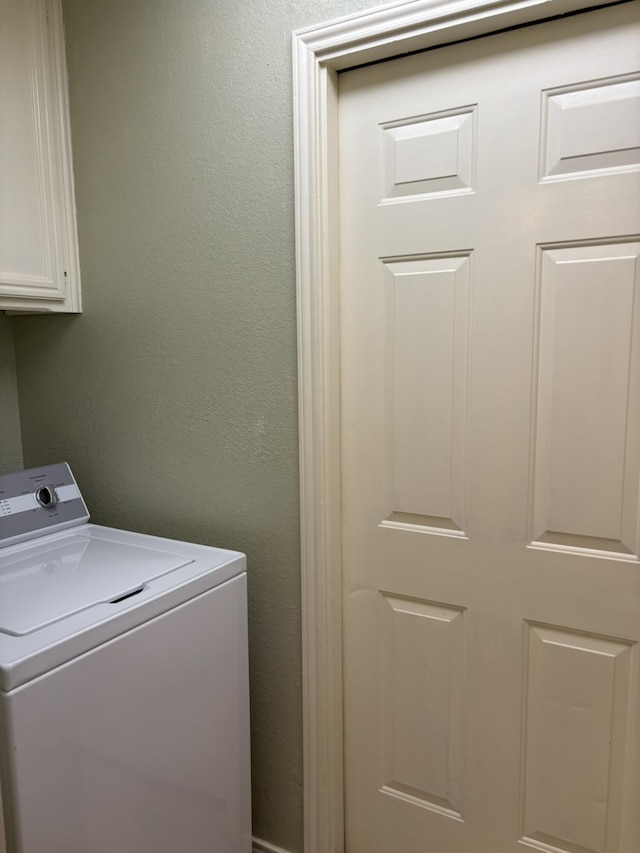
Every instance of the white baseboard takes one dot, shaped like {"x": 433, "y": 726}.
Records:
{"x": 264, "y": 847}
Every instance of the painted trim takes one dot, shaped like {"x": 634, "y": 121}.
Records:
{"x": 319, "y": 52}
{"x": 264, "y": 847}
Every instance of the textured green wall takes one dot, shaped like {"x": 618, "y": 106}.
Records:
{"x": 10, "y": 444}
{"x": 174, "y": 395}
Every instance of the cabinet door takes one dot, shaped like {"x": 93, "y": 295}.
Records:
{"x": 38, "y": 247}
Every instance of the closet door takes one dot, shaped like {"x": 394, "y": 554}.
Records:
{"x": 490, "y": 361}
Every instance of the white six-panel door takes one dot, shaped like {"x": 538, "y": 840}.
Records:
{"x": 490, "y": 387}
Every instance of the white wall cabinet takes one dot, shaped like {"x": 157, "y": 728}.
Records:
{"x": 39, "y": 270}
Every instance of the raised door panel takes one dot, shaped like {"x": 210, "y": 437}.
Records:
{"x": 587, "y": 440}
{"x": 431, "y": 156}
{"x": 590, "y": 129}
{"x": 421, "y": 732}
{"x": 577, "y": 739}
{"x": 427, "y": 350}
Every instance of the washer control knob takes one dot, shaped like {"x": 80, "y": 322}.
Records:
{"x": 47, "y": 496}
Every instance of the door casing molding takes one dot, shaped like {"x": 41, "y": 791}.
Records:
{"x": 319, "y": 52}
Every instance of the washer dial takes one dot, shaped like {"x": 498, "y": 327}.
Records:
{"x": 47, "y": 496}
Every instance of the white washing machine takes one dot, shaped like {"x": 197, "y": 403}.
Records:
{"x": 124, "y": 698}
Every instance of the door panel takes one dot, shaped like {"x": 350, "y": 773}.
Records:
{"x": 427, "y": 320}
{"x": 587, "y": 435}
{"x": 490, "y": 386}
{"x": 576, "y": 733}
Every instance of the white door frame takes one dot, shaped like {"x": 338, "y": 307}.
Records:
{"x": 318, "y": 54}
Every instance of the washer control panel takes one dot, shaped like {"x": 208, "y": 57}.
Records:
{"x": 38, "y": 501}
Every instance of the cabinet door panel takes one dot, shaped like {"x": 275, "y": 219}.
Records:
{"x": 38, "y": 252}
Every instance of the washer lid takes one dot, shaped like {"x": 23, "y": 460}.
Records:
{"x": 47, "y": 583}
